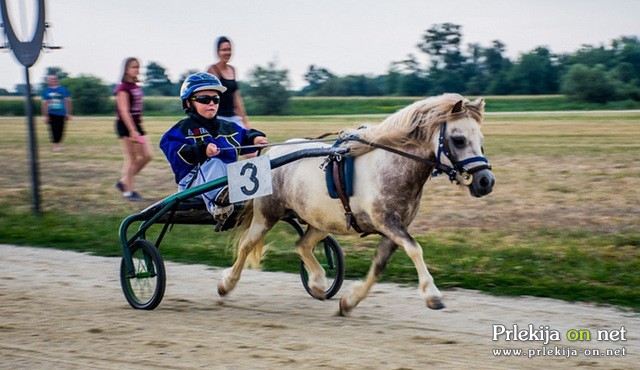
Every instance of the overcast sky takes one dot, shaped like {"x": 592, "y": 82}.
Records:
{"x": 344, "y": 36}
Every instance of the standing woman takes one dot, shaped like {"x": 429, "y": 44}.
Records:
{"x": 231, "y": 104}
{"x": 137, "y": 152}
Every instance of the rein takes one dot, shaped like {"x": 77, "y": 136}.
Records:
{"x": 261, "y": 146}
{"x": 457, "y": 172}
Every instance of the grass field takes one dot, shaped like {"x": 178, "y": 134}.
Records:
{"x": 562, "y": 221}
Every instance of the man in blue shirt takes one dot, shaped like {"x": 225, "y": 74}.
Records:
{"x": 56, "y": 109}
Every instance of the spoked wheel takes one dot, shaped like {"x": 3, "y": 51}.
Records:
{"x": 329, "y": 254}
{"x": 144, "y": 287}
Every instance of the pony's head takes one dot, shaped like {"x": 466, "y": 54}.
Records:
{"x": 445, "y": 129}
{"x": 458, "y": 146}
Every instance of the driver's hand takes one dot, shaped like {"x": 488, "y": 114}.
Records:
{"x": 260, "y": 140}
{"x": 212, "y": 150}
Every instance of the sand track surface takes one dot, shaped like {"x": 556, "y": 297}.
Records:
{"x": 61, "y": 309}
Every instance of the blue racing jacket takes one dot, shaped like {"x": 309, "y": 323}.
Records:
{"x": 185, "y": 144}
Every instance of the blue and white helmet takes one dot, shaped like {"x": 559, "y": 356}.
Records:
{"x": 199, "y": 82}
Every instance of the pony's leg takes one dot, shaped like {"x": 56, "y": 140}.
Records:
{"x": 359, "y": 291}
{"x": 304, "y": 247}
{"x": 395, "y": 231}
{"x": 253, "y": 236}
{"x": 397, "y": 235}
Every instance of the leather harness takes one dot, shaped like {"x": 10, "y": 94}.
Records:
{"x": 336, "y": 164}
{"x": 336, "y": 167}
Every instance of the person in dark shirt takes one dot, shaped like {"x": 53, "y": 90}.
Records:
{"x": 200, "y": 145}
{"x": 137, "y": 152}
{"x": 231, "y": 103}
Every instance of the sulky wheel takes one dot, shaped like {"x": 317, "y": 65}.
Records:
{"x": 329, "y": 254}
{"x": 143, "y": 287}
{"x": 331, "y": 258}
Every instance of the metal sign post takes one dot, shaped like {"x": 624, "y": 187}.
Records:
{"x": 27, "y": 54}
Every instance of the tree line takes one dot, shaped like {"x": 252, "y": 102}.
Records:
{"x": 593, "y": 74}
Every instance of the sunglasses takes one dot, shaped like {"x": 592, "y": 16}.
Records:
{"x": 206, "y": 99}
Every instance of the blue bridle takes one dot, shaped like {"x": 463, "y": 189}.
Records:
{"x": 458, "y": 172}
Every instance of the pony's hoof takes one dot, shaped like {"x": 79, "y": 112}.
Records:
{"x": 344, "y": 307}
{"x": 222, "y": 290}
{"x": 435, "y": 303}
{"x": 318, "y": 294}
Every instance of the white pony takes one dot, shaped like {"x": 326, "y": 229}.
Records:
{"x": 393, "y": 161}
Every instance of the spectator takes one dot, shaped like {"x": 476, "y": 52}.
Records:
{"x": 231, "y": 103}
{"x": 56, "y": 110}
{"x": 137, "y": 152}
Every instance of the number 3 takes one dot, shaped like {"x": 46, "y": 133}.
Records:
{"x": 254, "y": 170}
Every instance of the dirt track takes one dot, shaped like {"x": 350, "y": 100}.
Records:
{"x": 62, "y": 309}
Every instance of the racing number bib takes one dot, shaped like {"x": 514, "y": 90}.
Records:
{"x": 249, "y": 179}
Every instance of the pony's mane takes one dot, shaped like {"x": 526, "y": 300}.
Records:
{"x": 416, "y": 123}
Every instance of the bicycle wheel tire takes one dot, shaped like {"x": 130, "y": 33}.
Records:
{"x": 144, "y": 287}
{"x": 331, "y": 258}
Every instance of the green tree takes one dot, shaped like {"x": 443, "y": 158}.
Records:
{"x": 446, "y": 81}
{"x": 392, "y": 82}
{"x": 415, "y": 84}
{"x": 406, "y": 78}
{"x": 476, "y": 80}
{"x": 500, "y": 84}
{"x": 316, "y": 77}
{"x": 442, "y": 43}
{"x": 269, "y": 89}
{"x": 535, "y": 73}
{"x": 407, "y": 66}
{"x": 90, "y": 95}
{"x": 494, "y": 61}
{"x": 495, "y": 68}
{"x": 450, "y": 69}
{"x": 588, "y": 84}
{"x": 627, "y": 50}
{"x": 591, "y": 56}
{"x": 157, "y": 82}
{"x": 625, "y": 80}
{"x": 615, "y": 69}
{"x": 352, "y": 85}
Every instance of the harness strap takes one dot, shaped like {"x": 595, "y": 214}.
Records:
{"x": 323, "y": 135}
{"x": 342, "y": 194}
{"x": 473, "y": 159}
{"x": 458, "y": 166}
{"x": 479, "y": 168}
{"x": 439, "y": 166}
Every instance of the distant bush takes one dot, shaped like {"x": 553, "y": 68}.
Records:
{"x": 588, "y": 84}
{"x": 15, "y": 106}
{"x": 162, "y": 106}
{"x": 347, "y": 105}
{"x": 89, "y": 95}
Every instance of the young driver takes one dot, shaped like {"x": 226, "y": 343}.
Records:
{"x": 199, "y": 146}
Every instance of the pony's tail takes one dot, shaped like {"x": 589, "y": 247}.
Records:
{"x": 241, "y": 232}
